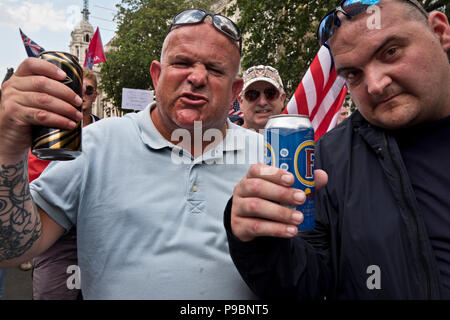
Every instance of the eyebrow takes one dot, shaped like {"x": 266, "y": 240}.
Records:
{"x": 390, "y": 39}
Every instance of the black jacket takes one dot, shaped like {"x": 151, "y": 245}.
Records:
{"x": 368, "y": 225}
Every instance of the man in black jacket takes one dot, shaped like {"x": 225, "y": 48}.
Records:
{"x": 383, "y": 219}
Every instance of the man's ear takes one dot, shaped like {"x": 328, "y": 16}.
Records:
{"x": 238, "y": 84}
{"x": 155, "y": 72}
{"x": 283, "y": 97}
{"x": 440, "y": 26}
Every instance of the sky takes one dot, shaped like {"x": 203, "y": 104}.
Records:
{"x": 49, "y": 24}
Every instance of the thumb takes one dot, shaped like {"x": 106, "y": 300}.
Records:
{"x": 320, "y": 178}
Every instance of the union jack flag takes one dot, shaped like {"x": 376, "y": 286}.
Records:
{"x": 32, "y": 48}
{"x": 235, "y": 110}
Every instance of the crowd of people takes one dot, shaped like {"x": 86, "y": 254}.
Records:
{"x": 142, "y": 226}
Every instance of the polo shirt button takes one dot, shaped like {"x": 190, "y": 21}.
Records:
{"x": 195, "y": 188}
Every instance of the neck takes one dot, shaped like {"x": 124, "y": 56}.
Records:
{"x": 252, "y": 127}
{"x": 196, "y": 140}
{"x": 87, "y": 120}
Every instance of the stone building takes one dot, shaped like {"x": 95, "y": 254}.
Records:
{"x": 81, "y": 36}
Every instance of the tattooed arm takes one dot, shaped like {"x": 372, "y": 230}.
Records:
{"x": 32, "y": 96}
{"x": 21, "y": 222}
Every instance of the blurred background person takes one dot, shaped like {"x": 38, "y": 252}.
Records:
{"x": 262, "y": 96}
{"x": 344, "y": 113}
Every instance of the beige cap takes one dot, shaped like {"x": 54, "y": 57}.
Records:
{"x": 262, "y": 73}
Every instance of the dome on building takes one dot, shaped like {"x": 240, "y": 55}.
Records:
{"x": 81, "y": 36}
{"x": 83, "y": 26}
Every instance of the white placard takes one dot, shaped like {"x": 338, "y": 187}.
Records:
{"x": 136, "y": 99}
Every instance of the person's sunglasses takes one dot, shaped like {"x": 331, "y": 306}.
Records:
{"x": 349, "y": 8}
{"x": 252, "y": 95}
{"x": 221, "y": 23}
{"x": 89, "y": 90}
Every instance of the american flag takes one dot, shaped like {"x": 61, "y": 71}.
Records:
{"x": 32, "y": 48}
{"x": 235, "y": 109}
{"x": 320, "y": 94}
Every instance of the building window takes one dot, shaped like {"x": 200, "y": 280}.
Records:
{"x": 86, "y": 38}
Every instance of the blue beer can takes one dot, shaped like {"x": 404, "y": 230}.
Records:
{"x": 289, "y": 145}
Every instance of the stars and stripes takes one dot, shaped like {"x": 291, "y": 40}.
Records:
{"x": 32, "y": 48}
{"x": 320, "y": 94}
{"x": 235, "y": 109}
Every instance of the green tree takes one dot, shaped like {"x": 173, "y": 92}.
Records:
{"x": 142, "y": 27}
{"x": 282, "y": 34}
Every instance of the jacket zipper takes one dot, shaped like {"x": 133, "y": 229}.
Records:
{"x": 411, "y": 211}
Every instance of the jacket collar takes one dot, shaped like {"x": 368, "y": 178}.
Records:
{"x": 373, "y": 135}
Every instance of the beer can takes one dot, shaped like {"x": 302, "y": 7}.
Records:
{"x": 289, "y": 145}
{"x": 53, "y": 143}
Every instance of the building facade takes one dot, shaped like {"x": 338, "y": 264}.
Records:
{"x": 80, "y": 38}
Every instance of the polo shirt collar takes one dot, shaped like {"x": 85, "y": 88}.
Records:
{"x": 153, "y": 138}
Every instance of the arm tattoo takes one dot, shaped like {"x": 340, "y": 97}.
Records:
{"x": 20, "y": 224}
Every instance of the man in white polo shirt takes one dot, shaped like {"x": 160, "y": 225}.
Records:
{"x": 147, "y": 193}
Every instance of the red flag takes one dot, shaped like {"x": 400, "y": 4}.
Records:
{"x": 94, "y": 53}
{"x": 320, "y": 94}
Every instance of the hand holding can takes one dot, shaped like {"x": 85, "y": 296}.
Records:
{"x": 54, "y": 143}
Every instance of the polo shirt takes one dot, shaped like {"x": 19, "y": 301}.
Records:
{"x": 148, "y": 215}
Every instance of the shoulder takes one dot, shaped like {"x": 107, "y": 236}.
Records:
{"x": 251, "y": 136}
{"x": 341, "y": 133}
{"x": 244, "y": 131}
{"x": 336, "y": 146}
{"x": 109, "y": 129}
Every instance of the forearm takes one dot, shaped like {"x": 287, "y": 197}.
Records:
{"x": 20, "y": 223}
{"x": 280, "y": 268}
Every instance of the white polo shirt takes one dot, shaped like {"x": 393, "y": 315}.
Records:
{"x": 149, "y": 217}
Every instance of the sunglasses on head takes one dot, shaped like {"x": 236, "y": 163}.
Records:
{"x": 89, "y": 90}
{"x": 253, "y": 95}
{"x": 349, "y": 8}
{"x": 221, "y": 23}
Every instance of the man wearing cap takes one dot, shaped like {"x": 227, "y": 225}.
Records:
{"x": 261, "y": 97}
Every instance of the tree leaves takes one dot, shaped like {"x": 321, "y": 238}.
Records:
{"x": 142, "y": 27}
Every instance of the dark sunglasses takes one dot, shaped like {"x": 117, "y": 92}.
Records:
{"x": 349, "y": 8}
{"x": 89, "y": 90}
{"x": 221, "y": 23}
{"x": 253, "y": 95}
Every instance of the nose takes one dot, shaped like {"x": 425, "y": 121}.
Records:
{"x": 262, "y": 101}
{"x": 198, "y": 75}
{"x": 377, "y": 80}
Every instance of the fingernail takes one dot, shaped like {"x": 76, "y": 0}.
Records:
{"x": 78, "y": 100}
{"x": 292, "y": 230}
{"x": 287, "y": 178}
{"x": 297, "y": 217}
{"x": 72, "y": 125}
{"x": 61, "y": 73}
{"x": 299, "y": 196}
